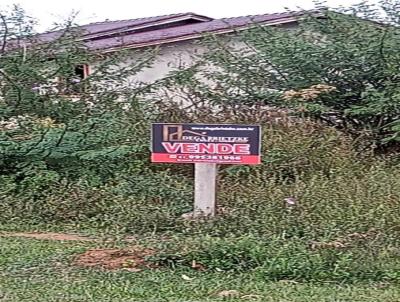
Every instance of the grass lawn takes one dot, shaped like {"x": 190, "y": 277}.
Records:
{"x": 42, "y": 270}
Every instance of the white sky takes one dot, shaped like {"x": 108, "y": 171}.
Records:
{"x": 50, "y": 11}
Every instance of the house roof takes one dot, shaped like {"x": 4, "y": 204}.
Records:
{"x": 112, "y": 35}
{"x": 107, "y": 26}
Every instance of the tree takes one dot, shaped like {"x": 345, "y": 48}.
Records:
{"x": 51, "y": 120}
{"x": 341, "y": 67}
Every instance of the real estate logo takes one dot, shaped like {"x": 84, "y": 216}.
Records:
{"x": 176, "y": 133}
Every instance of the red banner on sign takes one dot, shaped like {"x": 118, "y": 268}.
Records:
{"x": 191, "y": 158}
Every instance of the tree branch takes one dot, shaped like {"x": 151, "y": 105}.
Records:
{"x": 5, "y": 34}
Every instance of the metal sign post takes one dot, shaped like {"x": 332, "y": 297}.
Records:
{"x": 205, "y": 145}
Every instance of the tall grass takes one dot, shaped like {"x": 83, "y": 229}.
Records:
{"x": 314, "y": 210}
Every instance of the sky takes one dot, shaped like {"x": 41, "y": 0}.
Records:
{"x": 50, "y": 11}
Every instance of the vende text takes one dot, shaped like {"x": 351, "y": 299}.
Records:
{"x": 203, "y": 148}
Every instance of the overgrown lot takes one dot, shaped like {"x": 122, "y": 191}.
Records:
{"x": 313, "y": 211}
{"x": 318, "y": 220}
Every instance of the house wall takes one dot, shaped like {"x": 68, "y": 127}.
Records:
{"x": 168, "y": 58}
{"x": 177, "y": 54}
{"x": 173, "y": 56}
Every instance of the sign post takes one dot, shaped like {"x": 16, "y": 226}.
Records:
{"x": 205, "y": 178}
{"x": 205, "y": 145}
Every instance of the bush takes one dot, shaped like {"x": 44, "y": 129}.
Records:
{"x": 145, "y": 202}
{"x": 336, "y": 191}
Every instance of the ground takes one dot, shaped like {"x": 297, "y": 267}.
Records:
{"x": 45, "y": 269}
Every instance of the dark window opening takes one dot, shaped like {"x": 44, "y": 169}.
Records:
{"x": 73, "y": 83}
{"x": 81, "y": 71}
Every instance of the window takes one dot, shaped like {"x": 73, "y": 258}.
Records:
{"x": 72, "y": 84}
{"x": 82, "y": 71}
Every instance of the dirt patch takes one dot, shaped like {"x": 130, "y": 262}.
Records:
{"x": 132, "y": 259}
{"x": 48, "y": 236}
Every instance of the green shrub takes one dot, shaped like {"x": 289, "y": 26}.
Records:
{"x": 140, "y": 203}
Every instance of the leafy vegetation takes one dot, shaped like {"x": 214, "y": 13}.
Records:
{"x": 316, "y": 210}
{"x": 54, "y": 122}
{"x": 340, "y": 67}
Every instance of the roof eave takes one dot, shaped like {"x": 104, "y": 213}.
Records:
{"x": 142, "y": 26}
{"x": 195, "y": 36}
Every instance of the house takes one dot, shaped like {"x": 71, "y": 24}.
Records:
{"x": 174, "y": 34}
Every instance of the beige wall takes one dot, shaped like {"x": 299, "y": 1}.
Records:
{"x": 174, "y": 55}
{"x": 169, "y": 57}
